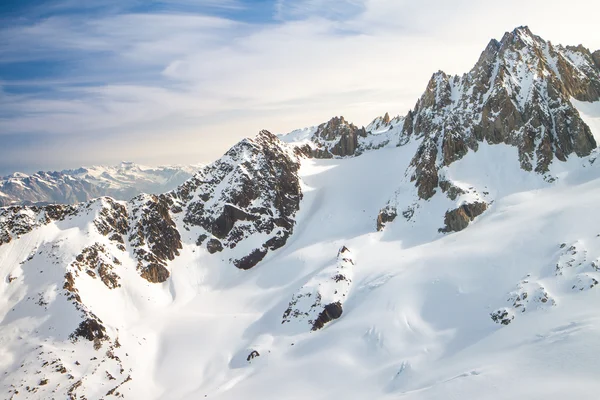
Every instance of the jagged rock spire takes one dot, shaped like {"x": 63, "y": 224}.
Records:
{"x": 519, "y": 94}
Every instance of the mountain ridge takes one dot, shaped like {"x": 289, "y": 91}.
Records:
{"x": 122, "y": 182}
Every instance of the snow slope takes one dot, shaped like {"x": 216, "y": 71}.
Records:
{"x": 416, "y": 320}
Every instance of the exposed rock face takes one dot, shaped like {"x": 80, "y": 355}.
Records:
{"x": 458, "y": 219}
{"x": 450, "y": 189}
{"x": 383, "y": 123}
{"x": 386, "y": 119}
{"x": 335, "y": 138}
{"x": 519, "y": 94}
{"x": 154, "y": 235}
{"x": 321, "y": 299}
{"x": 96, "y": 261}
{"x": 213, "y": 246}
{"x": 20, "y": 220}
{"x": 253, "y": 189}
{"x": 339, "y": 138}
{"x": 251, "y": 259}
{"x": 84, "y": 184}
{"x": 91, "y": 329}
{"x": 596, "y": 58}
{"x": 330, "y": 312}
{"x": 388, "y": 214}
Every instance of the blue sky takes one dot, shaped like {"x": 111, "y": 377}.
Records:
{"x": 163, "y": 82}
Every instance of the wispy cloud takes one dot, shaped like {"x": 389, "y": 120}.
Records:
{"x": 335, "y": 10}
{"x": 180, "y": 81}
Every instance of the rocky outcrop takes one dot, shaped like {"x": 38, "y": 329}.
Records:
{"x": 17, "y": 221}
{"x": 450, "y": 189}
{"x": 91, "y": 329}
{"x": 518, "y": 94}
{"x": 528, "y": 295}
{"x": 335, "y": 138}
{"x": 321, "y": 299}
{"x": 253, "y": 354}
{"x": 572, "y": 269}
{"x": 96, "y": 261}
{"x": 574, "y": 266}
{"x": 213, "y": 246}
{"x": 251, "y": 259}
{"x": 596, "y": 58}
{"x": 339, "y": 138}
{"x": 458, "y": 219}
{"x": 154, "y": 236}
{"x": 330, "y": 312}
{"x": 388, "y": 214}
{"x": 253, "y": 189}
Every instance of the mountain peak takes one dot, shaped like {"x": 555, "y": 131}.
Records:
{"x": 519, "y": 94}
{"x": 523, "y": 30}
{"x": 521, "y": 35}
{"x": 127, "y": 165}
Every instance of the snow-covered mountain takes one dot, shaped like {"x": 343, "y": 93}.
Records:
{"x": 121, "y": 182}
{"x": 450, "y": 253}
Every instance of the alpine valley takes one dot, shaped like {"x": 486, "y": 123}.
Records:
{"x": 453, "y": 253}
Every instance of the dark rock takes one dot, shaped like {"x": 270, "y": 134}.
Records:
{"x": 155, "y": 273}
{"x": 386, "y": 215}
{"x": 252, "y": 355}
{"x": 277, "y": 241}
{"x": 16, "y": 221}
{"x": 425, "y": 173}
{"x": 596, "y": 58}
{"x": 93, "y": 260}
{"x": 69, "y": 286}
{"x": 109, "y": 278}
{"x": 458, "y": 219}
{"x": 335, "y": 138}
{"x": 90, "y": 329}
{"x": 386, "y": 118}
{"x": 115, "y": 237}
{"x": 58, "y": 212}
{"x": 502, "y": 317}
{"x": 224, "y": 223}
{"x": 154, "y": 236}
{"x": 112, "y": 218}
{"x": 213, "y": 246}
{"x": 251, "y": 259}
{"x": 201, "y": 239}
{"x": 451, "y": 190}
{"x": 330, "y": 312}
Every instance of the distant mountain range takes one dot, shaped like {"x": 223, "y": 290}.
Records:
{"x": 121, "y": 182}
